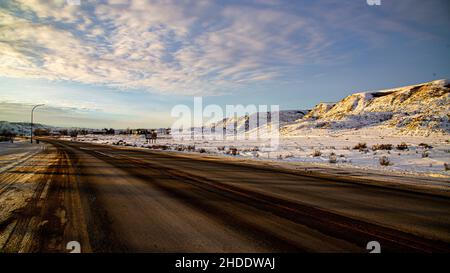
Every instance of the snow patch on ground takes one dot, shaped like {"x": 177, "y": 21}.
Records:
{"x": 16, "y": 187}
{"x": 423, "y": 155}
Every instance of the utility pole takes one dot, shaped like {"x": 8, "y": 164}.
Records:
{"x": 31, "y": 124}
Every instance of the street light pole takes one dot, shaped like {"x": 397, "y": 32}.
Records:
{"x": 31, "y": 124}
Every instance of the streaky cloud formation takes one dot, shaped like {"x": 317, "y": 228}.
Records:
{"x": 181, "y": 47}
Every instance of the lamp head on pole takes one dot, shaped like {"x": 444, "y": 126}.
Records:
{"x": 38, "y": 105}
{"x": 31, "y": 124}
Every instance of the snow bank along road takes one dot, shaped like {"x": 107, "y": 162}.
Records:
{"x": 130, "y": 200}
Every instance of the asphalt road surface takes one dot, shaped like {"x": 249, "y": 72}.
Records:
{"x": 134, "y": 200}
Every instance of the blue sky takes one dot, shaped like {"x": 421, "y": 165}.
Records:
{"x": 127, "y": 63}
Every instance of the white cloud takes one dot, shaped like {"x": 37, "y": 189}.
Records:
{"x": 190, "y": 47}
{"x": 195, "y": 48}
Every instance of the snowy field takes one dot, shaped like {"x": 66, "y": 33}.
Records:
{"x": 362, "y": 149}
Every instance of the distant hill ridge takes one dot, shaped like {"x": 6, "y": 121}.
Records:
{"x": 418, "y": 109}
{"x": 21, "y": 127}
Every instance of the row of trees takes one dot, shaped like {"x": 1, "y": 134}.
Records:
{"x": 62, "y": 132}
{"x": 76, "y": 132}
{"x": 73, "y": 133}
{"x": 7, "y": 135}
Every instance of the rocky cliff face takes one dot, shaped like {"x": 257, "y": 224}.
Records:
{"x": 414, "y": 110}
{"x": 286, "y": 117}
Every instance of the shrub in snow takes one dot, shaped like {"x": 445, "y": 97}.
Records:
{"x": 446, "y": 167}
{"x": 332, "y": 158}
{"x": 385, "y": 161}
{"x": 120, "y": 142}
{"x": 360, "y": 146}
{"x": 157, "y": 147}
{"x": 202, "y": 150}
{"x": 425, "y": 154}
{"x": 182, "y": 148}
{"x": 402, "y": 146}
{"x": 179, "y": 148}
{"x": 425, "y": 146}
{"x": 190, "y": 148}
{"x": 73, "y": 133}
{"x": 382, "y": 147}
{"x": 221, "y": 148}
{"x": 316, "y": 153}
{"x": 232, "y": 151}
